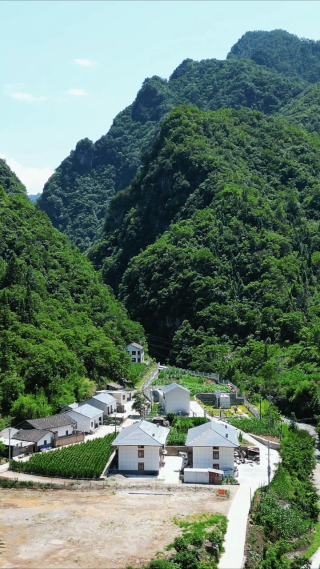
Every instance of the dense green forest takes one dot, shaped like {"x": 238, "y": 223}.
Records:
{"x": 61, "y": 329}
{"x": 304, "y": 110}
{"x": 76, "y": 196}
{"x": 282, "y": 51}
{"x": 215, "y": 247}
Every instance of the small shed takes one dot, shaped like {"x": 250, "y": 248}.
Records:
{"x": 111, "y": 386}
{"x": 136, "y": 352}
{"x": 175, "y": 398}
{"x": 88, "y": 418}
{"x": 202, "y": 475}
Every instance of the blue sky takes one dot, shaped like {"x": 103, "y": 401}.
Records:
{"x": 68, "y": 68}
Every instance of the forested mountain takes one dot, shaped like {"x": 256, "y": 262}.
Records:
{"x": 77, "y": 194}
{"x": 304, "y": 110}
{"x": 9, "y": 181}
{"x": 216, "y": 249}
{"x": 282, "y": 51}
{"x": 61, "y": 329}
{"x": 33, "y": 197}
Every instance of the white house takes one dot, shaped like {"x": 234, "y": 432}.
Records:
{"x": 60, "y": 425}
{"x": 88, "y": 418}
{"x": 103, "y": 401}
{"x": 211, "y": 450}
{"x": 32, "y": 439}
{"x": 175, "y": 398}
{"x": 222, "y": 400}
{"x": 136, "y": 352}
{"x": 140, "y": 447}
{"x": 122, "y": 396}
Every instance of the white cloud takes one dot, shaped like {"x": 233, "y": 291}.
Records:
{"x": 86, "y": 62}
{"x": 27, "y": 97}
{"x": 33, "y": 178}
{"x": 77, "y": 93}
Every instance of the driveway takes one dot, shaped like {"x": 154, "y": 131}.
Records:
{"x": 251, "y": 478}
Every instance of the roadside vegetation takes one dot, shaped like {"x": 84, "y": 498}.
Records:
{"x": 84, "y": 460}
{"x": 285, "y": 514}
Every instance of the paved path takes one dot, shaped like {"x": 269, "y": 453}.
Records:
{"x": 251, "y": 478}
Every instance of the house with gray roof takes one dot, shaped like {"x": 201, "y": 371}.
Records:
{"x": 136, "y": 352}
{"x": 174, "y": 398}
{"x": 32, "y": 439}
{"x": 140, "y": 448}
{"x": 104, "y": 402}
{"x": 87, "y": 417}
{"x": 210, "y": 450}
{"x": 61, "y": 425}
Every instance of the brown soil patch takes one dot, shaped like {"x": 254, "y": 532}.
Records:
{"x": 107, "y": 529}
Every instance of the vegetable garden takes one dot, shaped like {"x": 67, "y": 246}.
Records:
{"x": 195, "y": 384}
{"x": 179, "y": 429}
{"x": 257, "y": 426}
{"x": 84, "y": 460}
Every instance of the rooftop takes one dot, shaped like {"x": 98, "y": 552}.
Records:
{"x": 136, "y": 346}
{"x": 31, "y": 435}
{"x": 88, "y": 411}
{"x": 52, "y": 422}
{"x": 212, "y": 434}
{"x": 172, "y": 386}
{"x": 104, "y": 398}
{"x": 142, "y": 433}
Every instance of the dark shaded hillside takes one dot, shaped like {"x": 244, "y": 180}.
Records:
{"x": 304, "y": 110}
{"x": 9, "y": 181}
{"x": 61, "y": 329}
{"x": 282, "y": 51}
{"x": 235, "y": 284}
{"x": 77, "y": 195}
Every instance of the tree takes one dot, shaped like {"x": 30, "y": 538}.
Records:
{"x": 140, "y": 403}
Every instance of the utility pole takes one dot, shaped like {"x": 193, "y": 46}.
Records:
{"x": 260, "y": 407}
{"x": 269, "y": 467}
{"x": 9, "y": 446}
{"x": 269, "y": 397}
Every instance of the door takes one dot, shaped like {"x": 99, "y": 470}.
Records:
{"x": 213, "y": 478}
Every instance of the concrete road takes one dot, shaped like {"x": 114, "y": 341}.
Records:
{"x": 251, "y": 478}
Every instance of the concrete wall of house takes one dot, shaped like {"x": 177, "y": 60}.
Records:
{"x": 84, "y": 423}
{"x": 46, "y": 440}
{"x": 192, "y": 476}
{"x": 128, "y": 458}
{"x": 203, "y": 457}
{"x": 137, "y": 356}
{"x": 62, "y": 431}
{"x": 107, "y": 409}
{"x": 177, "y": 400}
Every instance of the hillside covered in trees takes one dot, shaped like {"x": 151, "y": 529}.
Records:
{"x": 215, "y": 249}
{"x": 265, "y": 71}
{"x": 61, "y": 329}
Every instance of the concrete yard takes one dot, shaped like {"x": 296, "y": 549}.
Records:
{"x": 109, "y": 529}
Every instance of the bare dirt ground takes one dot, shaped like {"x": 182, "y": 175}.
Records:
{"x": 106, "y": 529}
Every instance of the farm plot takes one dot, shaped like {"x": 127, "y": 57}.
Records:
{"x": 85, "y": 460}
{"x": 195, "y": 384}
{"x": 179, "y": 429}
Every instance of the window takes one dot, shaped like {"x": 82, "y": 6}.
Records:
{"x": 123, "y": 396}
{"x": 140, "y": 453}
{"x": 91, "y": 423}
{"x": 133, "y": 353}
{"x": 215, "y": 448}
{"x": 139, "y": 360}
{"x": 140, "y": 465}
{"x": 45, "y": 442}
{"x": 216, "y": 454}
{"x": 138, "y": 352}
{"x": 141, "y": 446}
{"x": 133, "y": 360}
{"x": 215, "y": 466}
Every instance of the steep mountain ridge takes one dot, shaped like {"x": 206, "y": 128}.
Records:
{"x": 76, "y": 196}
{"x": 61, "y": 329}
{"x": 215, "y": 247}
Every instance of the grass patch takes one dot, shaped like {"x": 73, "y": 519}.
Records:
{"x": 315, "y": 541}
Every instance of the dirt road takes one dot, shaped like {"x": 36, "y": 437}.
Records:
{"x": 109, "y": 529}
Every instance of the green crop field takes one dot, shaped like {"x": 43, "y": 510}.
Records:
{"x": 84, "y": 460}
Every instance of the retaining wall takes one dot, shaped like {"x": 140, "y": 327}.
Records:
{"x": 68, "y": 440}
{"x": 265, "y": 442}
